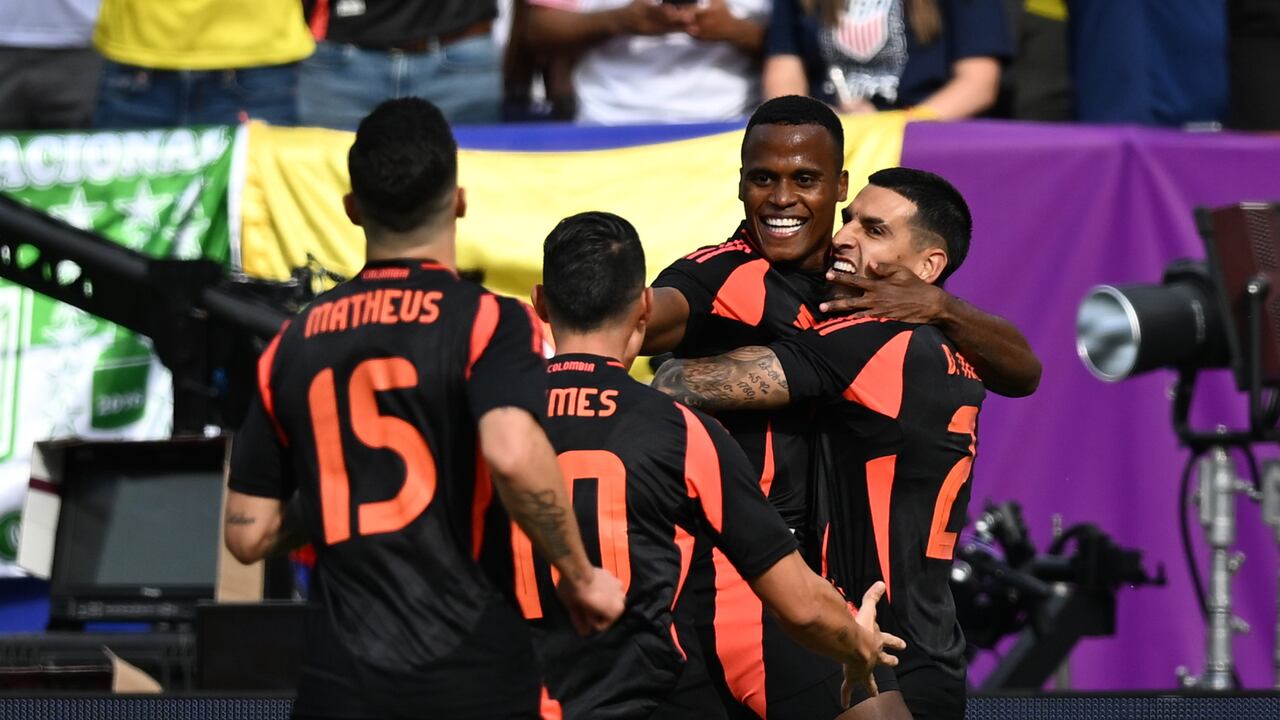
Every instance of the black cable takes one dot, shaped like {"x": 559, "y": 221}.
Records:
{"x": 1184, "y": 529}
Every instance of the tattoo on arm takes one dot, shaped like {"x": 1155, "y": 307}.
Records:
{"x": 239, "y": 518}
{"x": 543, "y": 519}
{"x": 749, "y": 377}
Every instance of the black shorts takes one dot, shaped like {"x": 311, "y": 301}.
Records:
{"x": 930, "y": 692}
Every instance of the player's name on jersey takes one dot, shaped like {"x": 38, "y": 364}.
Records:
{"x": 581, "y": 402}
{"x": 377, "y": 307}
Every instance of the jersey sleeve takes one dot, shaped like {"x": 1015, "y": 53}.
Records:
{"x": 699, "y": 277}
{"x": 860, "y": 360}
{"x": 259, "y": 451}
{"x": 784, "y": 29}
{"x": 737, "y": 515}
{"x": 979, "y": 28}
{"x": 506, "y": 367}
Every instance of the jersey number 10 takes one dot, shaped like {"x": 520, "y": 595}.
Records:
{"x": 610, "y": 475}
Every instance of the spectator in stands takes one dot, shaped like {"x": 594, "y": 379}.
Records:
{"x": 372, "y": 50}
{"x": 645, "y": 61}
{"x": 192, "y": 62}
{"x": 527, "y": 70}
{"x": 1152, "y": 62}
{"x": 1254, "y": 42}
{"x": 48, "y": 69}
{"x": 941, "y": 56}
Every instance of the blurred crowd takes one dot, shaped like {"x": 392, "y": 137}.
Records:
{"x": 327, "y": 63}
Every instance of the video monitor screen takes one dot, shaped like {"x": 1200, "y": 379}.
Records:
{"x": 139, "y": 519}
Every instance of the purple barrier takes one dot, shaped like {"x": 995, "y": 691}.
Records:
{"x": 1058, "y": 209}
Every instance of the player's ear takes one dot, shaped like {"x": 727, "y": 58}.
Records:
{"x": 740, "y": 184}
{"x": 646, "y": 306}
{"x": 352, "y": 208}
{"x": 539, "y": 300}
{"x": 932, "y": 264}
{"x": 460, "y": 202}
{"x": 844, "y": 186}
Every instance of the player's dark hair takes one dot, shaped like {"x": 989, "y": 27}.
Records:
{"x": 940, "y": 211}
{"x": 592, "y": 270}
{"x": 798, "y": 110}
{"x": 403, "y": 164}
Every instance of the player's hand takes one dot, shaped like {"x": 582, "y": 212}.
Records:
{"x": 872, "y": 645}
{"x": 888, "y": 291}
{"x": 594, "y": 602}
{"x": 650, "y": 17}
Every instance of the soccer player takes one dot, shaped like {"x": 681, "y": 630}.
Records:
{"x": 765, "y": 283}
{"x": 394, "y": 406}
{"x": 647, "y": 477}
{"x": 898, "y": 420}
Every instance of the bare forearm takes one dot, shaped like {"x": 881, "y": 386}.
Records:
{"x": 744, "y": 378}
{"x": 527, "y": 478}
{"x": 252, "y": 532}
{"x": 832, "y": 631}
{"x": 539, "y": 504}
{"x": 971, "y": 90}
{"x": 994, "y": 346}
{"x": 561, "y": 29}
{"x": 668, "y": 319}
{"x": 784, "y": 75}
{"x": 748, "y": 36}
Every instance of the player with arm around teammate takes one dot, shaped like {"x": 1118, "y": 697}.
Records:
{"x": 898, "y": 419}
{"x": 650, "y": 476}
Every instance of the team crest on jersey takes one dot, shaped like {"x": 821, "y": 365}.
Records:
{"x": 864, "y": 28}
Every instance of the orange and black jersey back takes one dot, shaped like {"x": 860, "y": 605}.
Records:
{"x": 647, "y": 476}
{"x": 738, "y": 298}
{"x": 898, "y": 423}
{"x": 368, "y": 407}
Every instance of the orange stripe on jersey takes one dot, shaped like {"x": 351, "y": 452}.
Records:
{"x": 826, "y": 327}
{"x": 550, "y": 707}
{"x": 526, "y": 581}
{"x": 702, "y": 469}
{"x": 766, "y": 475}
{"x": 684, "y": 543}
{"x": 265, "y": 363}
{"x": 739, "y": 635}
{"x": 826, "y": 540}
{"x": 879, "y": 383}
{"x": 880, "y": 493}
{"x": 482, "y": 329}
{"x": 480, "y": 503}
{"x": 535, "y": 326}
{"x": 705, "y": 254}
{"x": 741, "y": 297}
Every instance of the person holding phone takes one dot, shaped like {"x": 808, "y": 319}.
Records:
{"x": 657, "y": 61}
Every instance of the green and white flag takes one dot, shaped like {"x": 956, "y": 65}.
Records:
{"x": 63, "y": 372}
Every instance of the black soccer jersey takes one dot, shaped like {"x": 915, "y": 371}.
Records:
{"x": 367, "y": 408}
{"x": 899, "y": 424}
{"x": 647, "y": 476}
{"x": 737, "y": 298}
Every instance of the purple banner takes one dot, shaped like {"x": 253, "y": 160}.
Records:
{"x": 1058, "y": 209}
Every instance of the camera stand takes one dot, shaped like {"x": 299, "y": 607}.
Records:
{"x": 1216, "y": 497}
